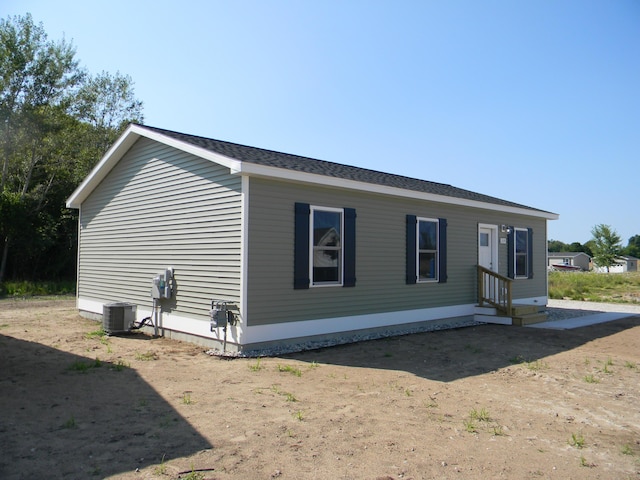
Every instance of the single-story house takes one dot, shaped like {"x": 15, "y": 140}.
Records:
{"x": 569, "y": 259}
{"x": 297, "y": 249}
{"x": 623, "y": 264}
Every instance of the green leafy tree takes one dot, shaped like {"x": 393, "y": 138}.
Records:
{"x": 556, "y": 246}
{"x": 56, "y": 122}
{"x": 606, "y": 247}
{"x": 633, "y": 247}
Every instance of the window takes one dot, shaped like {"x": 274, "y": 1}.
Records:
{"x": 324, "y": 246}
{"x": 520, "y": 242}
{"x": 426, "y": 250}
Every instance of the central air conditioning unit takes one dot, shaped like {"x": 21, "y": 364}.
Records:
{"x": 118, "y": 317}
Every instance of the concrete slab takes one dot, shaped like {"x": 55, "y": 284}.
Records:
{"x": 582, "y": 321}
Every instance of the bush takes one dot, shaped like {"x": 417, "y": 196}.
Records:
{"x": 31, "y": 289}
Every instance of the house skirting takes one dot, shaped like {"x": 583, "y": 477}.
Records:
{"x": 304, "y": 335}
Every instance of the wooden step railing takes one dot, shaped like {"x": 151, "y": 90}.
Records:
{"x": 494, "y": 289}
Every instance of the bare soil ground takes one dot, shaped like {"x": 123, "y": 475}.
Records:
{"x": 472, "y": 403}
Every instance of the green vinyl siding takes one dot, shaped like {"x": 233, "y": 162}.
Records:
{"x": 162, "y": 207}
{"x": 380, "y": 255}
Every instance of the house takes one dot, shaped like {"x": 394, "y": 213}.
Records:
{"x": 244, "y": 248}
{"x": 623, "y": 264}
{"x": 562, "y": 260}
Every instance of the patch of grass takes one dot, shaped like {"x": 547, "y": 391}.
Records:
{"x": 120, "y": 365}
{"x": 256, "y": 367}
{"x": 630, "y": 365}
{"x": 299, "y": 415}
{"x": 314, "y": 364}
{"x": 498, "y": 431}
{"x": 162, "y": 468}
{"x": 598, "y": 287}
{"x": 537, "y": 366}
{"x": 99, "y": 333}
{"x": 577, "y": 440}
{"x": 186, "y": 398}
{"x": 517, "y": 359}
{"x": 291, "y": 369}
{"x": 606, "y": 369}
{"x": 481, "y": 415}
{"x": 470, "y": 426}
{"x": 147, "y": 357}
{"x": 591, "y": 379}
{"x": 71, "y": 423}
{"x": 290, "y": 397}
{"x": 83, "y": 367}
{"x": 585, "y": 463}
{"x": 4, "y": 325}
{"x": 627, "y": 450}
{"x": 193, "y": 475}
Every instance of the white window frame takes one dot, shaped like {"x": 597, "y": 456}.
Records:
{"x": 340, "y": 282}
{"x": 516, "y": 254}
{"x": 437, "y": 250}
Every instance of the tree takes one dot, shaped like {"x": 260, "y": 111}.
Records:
{"x": 56, "y": 122}
{"x": 606, "y": 246}
{"x": 556, "y": 246}
{"x": 633, "y": 247}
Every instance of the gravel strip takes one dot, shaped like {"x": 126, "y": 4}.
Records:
{"x": 556, "y": 310}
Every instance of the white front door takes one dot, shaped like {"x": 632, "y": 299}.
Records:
{"x": 486, "y": 247}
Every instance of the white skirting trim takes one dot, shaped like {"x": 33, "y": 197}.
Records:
{"x": 243, "y": 335}
{"x": 174, "y": 322}
{"x": 267, "y": 333}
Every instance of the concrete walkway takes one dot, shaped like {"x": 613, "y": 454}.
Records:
{"x": 568, "y": 314}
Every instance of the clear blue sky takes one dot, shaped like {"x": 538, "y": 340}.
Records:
{"x": 534, "y": 101}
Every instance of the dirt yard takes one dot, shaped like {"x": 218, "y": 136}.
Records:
{"x": 473, "y": 403}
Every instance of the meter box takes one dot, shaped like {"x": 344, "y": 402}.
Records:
{"x": 162, "y": 285}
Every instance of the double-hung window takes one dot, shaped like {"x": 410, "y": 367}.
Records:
{"x": 521, "y": 253}
{"x": 426, "y": 250}
{"x": 427, "y": 259}
{"x": 324, "y": 246}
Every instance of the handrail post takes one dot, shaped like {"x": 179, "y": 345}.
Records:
{"x": 499, "y": 293}
{"x": 480, "y": 286}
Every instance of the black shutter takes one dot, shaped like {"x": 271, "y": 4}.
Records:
{"x": 511, "y": 254}
{"x": 301, "y": 246}
{"x": 529, "y": 252}
{"x": 442, "y": 250}
{"x": 411, "y": 249}
{"x": 349, "y": 243}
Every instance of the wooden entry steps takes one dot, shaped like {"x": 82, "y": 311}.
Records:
{"x": 521, "y": 315}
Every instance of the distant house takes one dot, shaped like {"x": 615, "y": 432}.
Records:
{"x": 301, "y": 250}
{"x": 569, "y": 259}
{"x": 623, "y": 264}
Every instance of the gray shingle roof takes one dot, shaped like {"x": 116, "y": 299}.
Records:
{"x": 297, "y": 163}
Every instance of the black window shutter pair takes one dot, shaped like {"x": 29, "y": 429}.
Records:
{"x": 412, "y": 250}
{"x": 301, "y": 274}
{"x": 511, "y": 258}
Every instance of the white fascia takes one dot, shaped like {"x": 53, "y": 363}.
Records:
{"x": 124, "y": 143}
{"x": 253, "y": 169}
